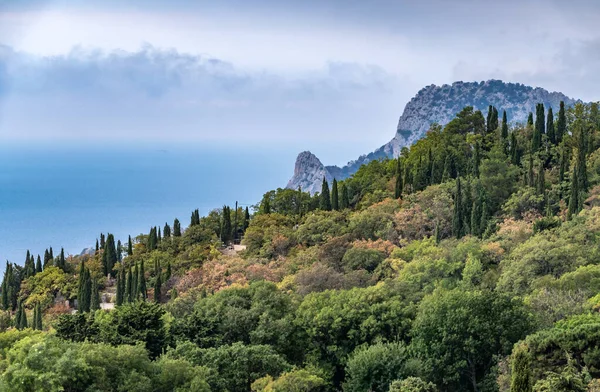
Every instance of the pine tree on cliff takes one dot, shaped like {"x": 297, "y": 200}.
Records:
{"x": 325, "y": 198}
{"x": 550, "y": 127}
{"x": 561, "y": 123}
{"x": 457, "y": 221}
{"x": 335, "y": 204}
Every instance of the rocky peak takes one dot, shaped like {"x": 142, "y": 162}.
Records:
{"x": 434, "y": 104}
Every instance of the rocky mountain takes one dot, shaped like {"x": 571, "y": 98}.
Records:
{"x": 432, "y": 104}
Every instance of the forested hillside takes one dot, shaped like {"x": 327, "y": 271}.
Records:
{"x": 470, "y": 263}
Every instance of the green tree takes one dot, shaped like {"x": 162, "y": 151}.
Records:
{"x": 540, "y": 185}
{"x": 412, "y": 384}
{"x": 515, "y": 157}
{"x": 120, "y": 288}
{"x": 561, "y": 123}
{"x": 129, "y": 247}
{"x": 335, "y": 205}
{"x": 457, "y": 220}
{"x": 457, "y": 334}
{"x": 95, "y": 296}
{"x": 520, "y": 371}
{"x": 344, "y": 199}
{"x": 167, "y": 230}
{"x": 373, "y": 368}
{"x": 550, "y": 127}
{"x": 176, "y": 228}
{"x": 128, "y": 295}
{"x": 109, "y": 256}
{"x": 38, "y": 264}
{"x": 325, "y": 198}
{"x": 141, "y": 282}
{"x": 157, "y": 281}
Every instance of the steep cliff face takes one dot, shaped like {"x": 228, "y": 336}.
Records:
{"x": 433, "y": 104}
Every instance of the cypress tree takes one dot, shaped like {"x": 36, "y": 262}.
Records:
{"x": 574, "y": 198}
{"x": 550, "y": 127}
{"x": 266, "y": 206}
{"x": 504, "y": 133}
{"x": 226, "y": 227}
{"x": 246, "y": 218}
{"x": 581, "y": 161}
{"x": 530, "y": 120}
{"x": 119, "y": 251}
{"x": 436, "y": 233}
{"x": 521, "y": 372}
{"x": 47, "y": 259}
{"x": 129, "y": 247}
{"x": 335, "y": 205}
{"x": 344, "y": 199}
{"x": 430, "y": 174}
{"x": 128, "y": 295}
{"x": 151, "y": 239}
{"x": 398, "y": 188}
{"x": 561, "y": 123}
{"x": 61, "y": 259}
{"x": 457, "y": 221}
{"x": 176, "y": 228}
{"x": 97, "y": 246}
{"x": 325, "y": 198}
{"x": 87, "y": 291}
{"x": 34, "y": 318}
{"x": 488, "y": 120}
{"x": 38, "y": 319}
{"x": 168, "y": 272}
{"x": 530, "y": 174}
{"x": 467, "y": 204}
{"x": 95, "y": 296}
{"x": 536, "y": 140}
{"x": 18, "y": 317}
{"x": 51, "y": 254}
{"x": 514, "y": 149}
{"x": 476, "y": 160}
{"x": 494, "y": 120}
{"x": 134, "y": 283}
{"x": 22, "y": 319}
{"x": 141, "y": 282}
{"x": 38, "y": 264}
{"x": 167, "y": 231}
{"x": 102, "y": 240}
{"x": 120, "y": 293}
{"x": 5, "y": 283}
{"x": 476, "y": 211}
{"x": 81, "y": 287}
{"x": 541, "y": 180}
{"x": 484, "y": 218}
{"x": 109, "y": 256}
{"x": 157, "y": 282}
{"x": 564, "y": 162}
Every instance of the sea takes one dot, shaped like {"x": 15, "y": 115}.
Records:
{"x": 65, "y": 195}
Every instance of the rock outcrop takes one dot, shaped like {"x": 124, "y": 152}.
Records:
{"x": 433, "y": 104}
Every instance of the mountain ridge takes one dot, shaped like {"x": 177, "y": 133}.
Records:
{"x": 432, "y": 104}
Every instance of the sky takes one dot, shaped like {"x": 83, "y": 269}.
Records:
{"x": 331, "y": 76}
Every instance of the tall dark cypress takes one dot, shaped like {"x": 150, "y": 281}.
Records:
{"x": 5, "y": 284}
{"x": 536, "y": 140}
{"x": 430, "y": 167}
{"x": 61, "y": 260}
{"x": 246, "y": 218}
{"x": 484, "y": 217}
{"x": 504, "y": 133}
{"x": 530, "y": 173}
{"x": 97, "y": 246}
{"x": 152, "y": 239}
{"x": 176, "y": 228}
{"x": 467, "y": 204}
{"x": 476, "y": 160}
{"x": 167, "y": 231}
{"x": 95, "y": 296}
{"x": 157, "y": 281}
{"x": 119, "y": 251}
{"x": 476, "y": 211}
{"x": 399, "y": 184}
{"x": 561, "y": 123}
{"x": 128, "y": 295}
{"x": 344, "y": 199}
{"x": 226, "y": 226}
{"x": 541, "y": 180}
{"x": 38, "y": 318}
{"x": 325, "y": 198}
{"x": 457, "y": 221}
{"x": 135, "y": 292}
{"x": 488, "y": 120}
{"x": 494, "y": 120}
{"x": 23, "y": 318}
{"x": 550, "y": 127}
{"x": 574, "y": 197}
{"x": 168, "y": 272}
{"x": 47, "y": 259}
{"x": 141, "y": 282}
{"x": 129, "y": 247}
{"x": 81, "y": 287}
{"x": 530, "y": 120}
{"x": 109, "y": 257}
{"x": 335, "y": 204}
{"x": 102, "y": 240}
{"x": 38, "y": 265}
{"x": 581, "y": 160}
{"x": 120, "y": 288}
{"x": 514, "y": 149}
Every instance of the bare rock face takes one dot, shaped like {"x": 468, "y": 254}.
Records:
{"x": 433, "y": 104}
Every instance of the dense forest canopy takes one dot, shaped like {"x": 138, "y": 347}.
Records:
{"x": 469, "y": 263}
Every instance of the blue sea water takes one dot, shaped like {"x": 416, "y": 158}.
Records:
{"x": 66, "y": 195}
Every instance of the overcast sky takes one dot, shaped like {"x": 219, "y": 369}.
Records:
{"x": 305, "y": 73}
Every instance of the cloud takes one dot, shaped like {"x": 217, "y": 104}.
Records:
{"x": 157, "y": 94}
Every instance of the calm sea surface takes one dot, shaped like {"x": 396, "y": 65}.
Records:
{"x": 67, "y": 195}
